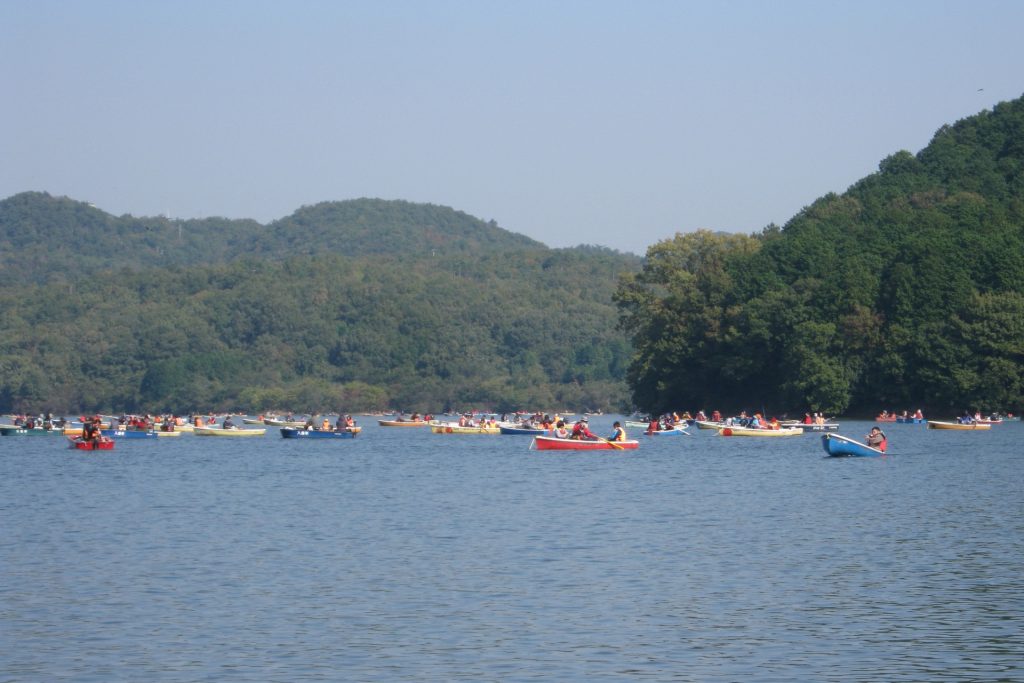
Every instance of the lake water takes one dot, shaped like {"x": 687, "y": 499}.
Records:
{"x": 407, "y": 556}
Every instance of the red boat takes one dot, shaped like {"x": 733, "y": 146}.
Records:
{"x": 103, "y": 444}
{"x": 551, "y": 443}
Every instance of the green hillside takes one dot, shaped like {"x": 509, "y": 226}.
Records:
{"x": 906, "y": 291}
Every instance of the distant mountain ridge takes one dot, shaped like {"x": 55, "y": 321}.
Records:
{"x": 44, "y": 237}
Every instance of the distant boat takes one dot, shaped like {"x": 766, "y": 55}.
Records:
{"x": 522, "y": 431}
{"x": 675, "y": 431}
{"x": 403, "y": 423}
{"x": 130, "y": 433}
{"x": 838, "y": 445}
{"x": 969, "y": 426}
{"x": 220, "y": 431}
{"x": 911, "y": 420}
{"x": 295, "y": 433}
{"x": 746, "y": 431}
{"x": 83, "y": 445}
{"x": 443, "y": 428}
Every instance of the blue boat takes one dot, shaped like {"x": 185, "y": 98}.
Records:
{"x": 839, "y": 446}
{"x": 911, "y": 420}
{"x": 522, "y": 431}
{"x": 295, "y": 433}
{"x": 668, "y": 432}
{"x": 128, "y": 434}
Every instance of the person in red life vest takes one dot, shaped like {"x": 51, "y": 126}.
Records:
{"x": 716, "y": 416}
{"x": 807, "y": 419}
{"x": 876, "y": 439}
{"x": 581, "y": 430}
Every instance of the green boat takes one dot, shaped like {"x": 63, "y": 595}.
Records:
{"x": 13, "y": 430}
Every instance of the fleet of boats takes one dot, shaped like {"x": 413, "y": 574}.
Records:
{"x": 834, "y": 444}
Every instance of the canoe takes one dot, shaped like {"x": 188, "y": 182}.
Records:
{"x": 403, "y": 423}
{"x": 935, "y": 424}
{"x": 522, "y": 431}
{"x": 102, "y": 445}
{"x": 668, "y": 432}
{"x": 837, "y": 445}
{"x": 128, "y": 434}
{"x": 294, "y": 433}
{"x": 551, "y": 443}
{"x": 217, "y": 431}
{"x": 456, "y": 429}
{"x": 744, "y": 431}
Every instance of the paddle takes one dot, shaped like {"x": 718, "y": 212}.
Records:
{"x": 611, "y": 443}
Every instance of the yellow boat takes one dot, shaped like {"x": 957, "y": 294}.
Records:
{"x": 970, "y": 426}
{"x": 165, "y": 434}
{"x": 218, "y": 431}
{"x": 403, "y": 423}
{"x": 743, "y": 431}
{"x": 456, "y": 429}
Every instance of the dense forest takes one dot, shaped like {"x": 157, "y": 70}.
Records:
{"x": 906, "y": 291}
{"x": 359, "y": 305}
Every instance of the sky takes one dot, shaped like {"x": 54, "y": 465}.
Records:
{"x": 613, "y": 123}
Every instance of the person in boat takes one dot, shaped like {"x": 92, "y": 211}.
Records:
{"x": 774, "y": 423}
{"x": 876, "y": 439}
{"x": 309, "y": 426}
{"x": 808, "y": 420}
{"x": 325, "y": 426}
{"x": 716, "y": 416}
{"x": 560, "y": 431}
{"x": 581, "y": 431}
{"x": 755, "y": 422}
{"x": 91, "y": 431}
{"x": 228, "y": 423}
{"x": 618, "y": 433}
{"x": 919, "y": 415}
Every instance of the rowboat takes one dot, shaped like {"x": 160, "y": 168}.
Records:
{"x": 253, "y": 420}
{"x": 129, "y": 434}
{"x": 838, "y": 445}
{"x": 294, "y": 433}
{"x": 970, "y": 426}
{"x": 14, "y": 430}
{"x": 707, "y": 424}
{"x": 746, "y": 431}
{"x": 551, "y": 443}
{"x": 637, "y": 424}
{"x": 163, "y": 435}
{"x": 218, "y": 431}
{"x": 676, "y": 431}
{"x": 824, "y": 427}
{"x": 442, "y": 428}
{"x": 911, "y": 420}
{"x": 522, "y": 431}
{"x": 82, "y": 445}
{"x": 403, "y": 423}
{"x": 280, "y": 423}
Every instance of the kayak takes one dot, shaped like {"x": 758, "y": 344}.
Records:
{"x": 551, "y": 443}
{"x": 837, "y": 445}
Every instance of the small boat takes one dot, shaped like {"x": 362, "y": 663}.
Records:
{"x": 14, "y": 430}
{"x": 163, "y": 435}
{"x": 444, "y": 428}
{"x": 219, "y": 431}
{"x": 253, "y": 420}
{"x": 675, "y": 431}
{"x": 551, "y": 443}
{"x": 911, "y": 420}
{"x": 638, "y": 424}
{"x": 885, "y": 418}
{"x": 746, "y": 431}
{"x": 295, "y": 433}
{"x": 83, "y": 445}
{"x": 838, "y": 445}
{"x": 824, "y": 427}
{"x": 403, "y": 423}
{"x": 522, "y": 431}
{"x": 969, "y": 426}
{"x": 130, "y": 433}
{"x": 270, "y": 422}
{"x": 708, "y": 424}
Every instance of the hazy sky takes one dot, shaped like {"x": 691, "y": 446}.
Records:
{"x": 612, "y": 123}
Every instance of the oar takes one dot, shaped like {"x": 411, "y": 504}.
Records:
{"x": 611, "y": 443}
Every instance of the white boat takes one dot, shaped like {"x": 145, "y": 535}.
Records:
{"x": 219, "y": 431}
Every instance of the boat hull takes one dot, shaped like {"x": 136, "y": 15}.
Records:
{"x": 403, "y": 423}
{"x": 80, "y": 445}
{"x": 211, "y": 431}
{"x": 456, "y": 429}
{"x": 910, "y": 420}
{"x": 129, "y": 434}
{"x": 293, "y": 433}
{"x": 743, "y": 431}
{"x": 974, "y": 426}
{"x": 668, "y": 432}
{"x": 840, "y": 446}
{"x": 522, "y": 431}
{"x": 25, "y": 431}
{"x": 550, "y": 443}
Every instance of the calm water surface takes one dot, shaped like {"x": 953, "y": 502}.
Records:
{"x": 403, "y": 555}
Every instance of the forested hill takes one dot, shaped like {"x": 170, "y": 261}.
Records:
{"x": 45, "y": 238}
{"x": 361, "y": 305}
{"x": 906, "y": 291}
